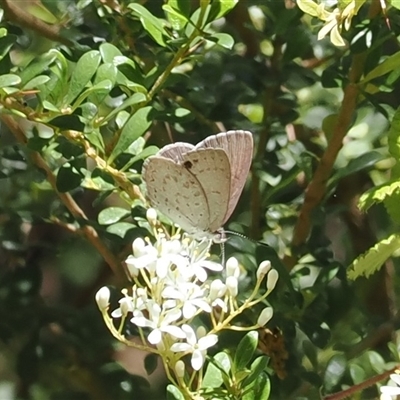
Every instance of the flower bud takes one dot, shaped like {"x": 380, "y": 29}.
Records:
{"x": 263, "y": 269}
{"x": 232, "y": 285}
{"x": 138, "y": 247}
{"x": 217, "y": 289}
{"x": 232, "y": 267}
{"x": 265, "y": 316}
{"x": 103, "y": 298}
{"x": 180, "y": 368}
{"x": 272, "y": 279}
{"x": 151, "y": 215}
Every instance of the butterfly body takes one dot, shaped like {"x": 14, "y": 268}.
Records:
{"x": 198, "y": 187}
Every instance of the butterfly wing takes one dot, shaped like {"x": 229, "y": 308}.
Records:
{"x": 238, "y": 146}
{"x": 175, "y": 151}
{"x": 174, "y": 191}
{"x": 211, "y": 169}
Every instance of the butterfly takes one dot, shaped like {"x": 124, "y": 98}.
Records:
{"x": 198, "y": 187}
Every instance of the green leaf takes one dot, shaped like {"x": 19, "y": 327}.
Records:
{"x": 84, "y": 70}
{"x": 223, "y": 39}
{"x": 394, "y": 136}
{"x": 37, "y": 66}
{"x": 109, "y": 52}
{"x": 135, "y": 127}
{"x": 373, "y": 259}
{"x": 182, "y": 6}
{"x": 395, "y": 4}
{"x": 218, "y": 367}
{"x": 107, "y": 71}
{"x": 378, "y": 194}
{"x": 9, "y": 80}
{"x": 335, "y": 370}
{"x": 134, "y": 99}
{"x": 257, "y": 367}
{"x": 173, "y": 393}
{"x": 36, "y": 81}
{"x": 245, "y": 351}
{"x": 153, "y": 26}
{"x": 111, "y": 215}
{"x": 147, "y": 152}
{"x": 260, "y": 389}
{"x": 177, "y": 20}
{"x": 120, "y": 228}
{"x": 219, "y": 8}
{"x": 68, "y": 178}
{"x": 392, "y": 206}
{"x": 361, "y": 163}
{"x": 6, "y": 43}
{"x": 389, "y": 65}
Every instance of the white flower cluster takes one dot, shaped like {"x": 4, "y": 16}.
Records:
{"x": 173, "y": 282}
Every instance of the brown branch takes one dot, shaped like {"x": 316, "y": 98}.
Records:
{"x": 26, "y": 20}
{"x": 317, "y": 187}
{"x": 347, "y": 393}
{"x": 89, "y": 232}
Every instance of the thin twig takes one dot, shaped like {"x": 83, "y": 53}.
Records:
{"x": 26, "y": 20}
{"x": 90, "y": 233}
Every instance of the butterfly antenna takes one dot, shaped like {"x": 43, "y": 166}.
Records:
{"x": 222, "y": 244}
{"x": 257, "y": 242}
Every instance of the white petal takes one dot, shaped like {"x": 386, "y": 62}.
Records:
{"x": 197, "y": 360}
{"x": 176, "y": 347}
{"x": 395, "y": 378}
{"x": 171, "y": 316}
{"x": 155, "y": 336}
{"x": 201, "y": 274}
{"x": 390, "y": 390}
{"x": 162, "y": 268}
{"x": 211, "y": 265}
{"x": 202, "y": 304}
{"x": 142, "y": 322}
{"x": 174, "y": 331}
{"x": 207, "y": 341}
{"x": 189, "y": 310}
{"x": 190, "y": 334}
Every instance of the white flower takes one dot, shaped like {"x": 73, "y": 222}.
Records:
{"x": 217, "y": 292}
{"x": 387, "y": 392}
{"x": 125, "y": 306}
{"x": 187, "y": 296}
{"x": 198, "y": 348}
{"x": 159, "y": 321}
